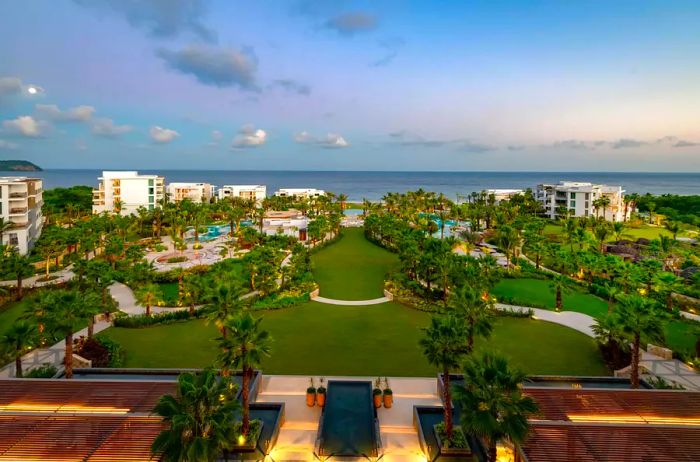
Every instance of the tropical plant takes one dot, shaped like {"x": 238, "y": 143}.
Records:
{"x": 244, "y": 348}
{"x": 666, "y": 284}
{"x": 224, "y": 300}
{"x": 444, "y": 345}
{"x": 492, "y": 402}
{"x": 472, "y": 304}
{"x": 559, "y": 285}
{"x": 638, "y": 317}
{"x": 149, "y": 295}
{"x": 68, "y": 310}
{"x": 18, "y": 340}
{"x": 200, "y": 418}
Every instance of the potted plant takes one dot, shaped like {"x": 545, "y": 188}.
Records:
{"x": 377, "y": 393}
{"x": 388, "y": 394}
{"x": 311, "y": 393}
{"x": 321, "y": 394}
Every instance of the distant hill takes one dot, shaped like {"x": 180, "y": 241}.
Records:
{"x": 18, "y": 166}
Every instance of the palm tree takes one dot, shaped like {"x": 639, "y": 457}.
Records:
{"x": 601, "y": 230}
{"x": 19, "y": 267}
{"x": 618, "y": 229}
{"x": 673, "y": 227}
{"x": 665, "y": 284}
{"x": 444, "y": 345}
{"x": 492, "y": 402}
{"x": 559, "y": 286}
{"x": 244, "y": 349}
{"x": 225, "y": 301}
{"x": 476, "y": 308}
{"x": 507, "y": 238}
{"x": 149, "y": 295}
{"x": 200, "y": 418}
{"x": 18, "y": 340}
{"x": 69, "y": 310}
{"x": 608, "y": 333}
{"x": 5, "y": 226}
{"x": 638, "y": 317}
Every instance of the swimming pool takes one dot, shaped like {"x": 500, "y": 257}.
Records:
{"x": 214, "y": 231}
{"x": 348, "y": 425}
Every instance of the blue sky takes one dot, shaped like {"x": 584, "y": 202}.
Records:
{"x": 335, "y": 85}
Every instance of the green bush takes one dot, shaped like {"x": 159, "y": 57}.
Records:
{"x": 275, "y": 302}
{"x": 180, "y": 259}
{"x": 134, "y": 322}
{"x": 45, "y": 371}
{"x": 116, "y": 352}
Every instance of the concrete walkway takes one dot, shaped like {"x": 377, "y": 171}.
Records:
{"x": 332, "y": 301}
{"x": 126, "y": 301}
{"x": 64, "y": 275}
{"x": 572, "y": 319}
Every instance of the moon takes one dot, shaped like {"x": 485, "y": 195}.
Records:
{"x": 32, "y": 90}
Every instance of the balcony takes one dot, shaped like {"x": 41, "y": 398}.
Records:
{"x": 18, "y": 211}
{"x": 18, "y": 195}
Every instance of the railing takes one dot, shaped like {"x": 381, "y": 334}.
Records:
{"x": 18, "y": 211}
{"x": 21, "y": 195}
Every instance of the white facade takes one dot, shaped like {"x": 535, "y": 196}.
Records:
{"x": 131, "y": 189}
{"x": 256, "y": 192}
{"x": 307, "y": 193}
{"x": 578, "y": 199}
{"x": 196, "y": 192}
{"x": 289, "y": 223}
{"x": 504, "y": 194}
{"x": 20, "y": 203}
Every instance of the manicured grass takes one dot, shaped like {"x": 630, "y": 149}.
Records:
{"x": 318, "y": 339}
{"x": 352, "y": 268}
{"x": 681, "y": 335}
{"x": 644, "y": 231}
{"x": 538, "y": 293}
{"x": 10, "y": 313}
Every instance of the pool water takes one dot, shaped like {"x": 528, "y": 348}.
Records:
{"x": 215, "y": 231}
{"x": 348, "y": 425}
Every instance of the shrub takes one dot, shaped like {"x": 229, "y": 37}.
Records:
{"x": 177, "y": 259}
{"x": 93, "y": 350}
{"x": 45, "y": 371}
{"x": 116, "y": 352}
{"x": 276, "y": 302}
{"x": 134, "y": 322}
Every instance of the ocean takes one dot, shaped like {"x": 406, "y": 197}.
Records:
{"x": 374, "y": 185}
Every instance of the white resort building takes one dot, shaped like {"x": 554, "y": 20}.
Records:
{"x": 503, "y": 194}
{"x": 289, "y": 223}
{"x": 195, "y": 192}
{"x": 307, "y": 193}
{"x": 578, "y": 199}
{"x": 20, "y": 204}
{"x": 125, "y": 192}
{"x": 256, "y": 192}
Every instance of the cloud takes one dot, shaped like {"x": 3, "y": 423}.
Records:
{"x": 220, "y": 67}
{"x": 349, "y": 24}
{"x": 330, "y": 141}
{"x": 162, "y": 135}
{"x": 391, "y": 49}
{"x": 291, "y": 86}
{"x": 108, "y": 129}
{"x": 76, "y": 114}
{"x": 26, "y": 126}
{"x": 685, "y": 144}
{"x": 216, "y": 137}
{"x": 249, "y": 137}
{"x": 476, "y": 148}
{"x": 10, "y": 86}
{"x": 624, "y": 143}
{"x": 6, "y": 145}
{"x": 570, "y": 144}
{"x": 159, "y": 18}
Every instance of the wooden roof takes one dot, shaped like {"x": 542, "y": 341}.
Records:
{"x": 61, "y": 420}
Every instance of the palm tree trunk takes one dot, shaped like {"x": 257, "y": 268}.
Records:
{"x": 448, "y": 403}
{"x": 19, "y": 287}
{"x": 493, "y": 452}
{"x": 148, "y": 309}
{"x": 192, "y": 309}
{"x": 91, "y": 326}
{"x": 18, "y": 366}
{"x": 68, "y": 359}
{"x": 669, "y": 301}
{"x": 634, "y": 373}
{"x": 559, "y": 301}
{"x": 245, "y": 398}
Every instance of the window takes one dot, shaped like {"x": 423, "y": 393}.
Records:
{"x": 150, "y": 182}
{"x": 588, "y": 196}
{"x": 572, "y": 195}
{"x": 572, "y": 211}
{"x": 586, "y": 212}
{"x": 573, "y": 204}
{"x": 150, "y": 199}
{"x": 13, "y": 239}
{"x": 151, "y": 190}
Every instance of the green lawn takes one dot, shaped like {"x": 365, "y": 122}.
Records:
{"x": 318, "y": 339}
{"x": 352, "y": 268}
{"x": 681, "y": 335}
{"x": 630, "y": 233}
{"x": 10, "y": 313}
{"x": 538, "y": 293}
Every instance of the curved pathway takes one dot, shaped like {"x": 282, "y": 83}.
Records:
{"x": 571, "y": 319}
{"x": 332, "y": 301}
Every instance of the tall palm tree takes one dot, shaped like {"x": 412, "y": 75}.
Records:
{"x": 224, "y": 300}
{"x": 200, "y": 419}
{"x": 18, "y": 340}
{"x": 637, "y": 317}
{"x": 444, "y": 345}
{"x": 507, "y": 238}
{"x": 244, "y": 348}
{"x": 67, "y": 313}
{"x": 149, "y": 294}
{"x": 673, "y": 227}
{"x": 472, "y": 303}
{"x": 665, "y": 284}
{"x": 559, "y": 286}
{"x": 492, "y": 402}
{"x": 19, "y": 267}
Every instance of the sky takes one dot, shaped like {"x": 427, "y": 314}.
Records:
{"x": 337, "y": 85}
